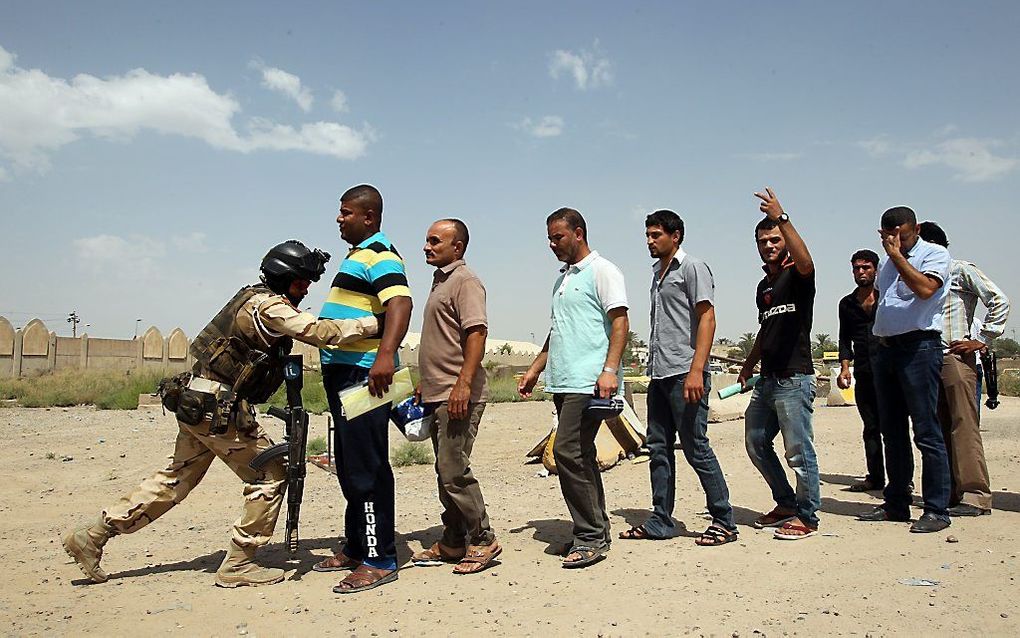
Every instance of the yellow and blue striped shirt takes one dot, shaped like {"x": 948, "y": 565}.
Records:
{"x": 371, "y": 275}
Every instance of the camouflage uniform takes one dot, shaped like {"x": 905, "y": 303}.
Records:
{"x": 264, "y": 319}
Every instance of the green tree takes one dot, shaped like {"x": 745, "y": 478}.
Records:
{"x": 1006, "y": 347}
{"x": 743, "y": 346}
{"x": 630, "y": 359}
{"x": 823, "y": 344}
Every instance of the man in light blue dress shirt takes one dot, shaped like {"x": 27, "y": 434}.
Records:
{"x": 912, "y": 290}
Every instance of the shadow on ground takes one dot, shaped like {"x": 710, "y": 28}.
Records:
{"x": 636, "y": 516}
{"x": 556, "y": 533}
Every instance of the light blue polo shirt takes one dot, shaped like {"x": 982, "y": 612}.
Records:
{"x": 584, "y": 294}
{"x": 900, "y": 310}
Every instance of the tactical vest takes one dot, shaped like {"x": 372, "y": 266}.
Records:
{"x": 224, "y": 353}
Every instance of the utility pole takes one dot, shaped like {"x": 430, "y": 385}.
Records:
{"x": 74, "y": 319}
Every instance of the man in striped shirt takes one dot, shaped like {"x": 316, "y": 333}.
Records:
{"x": 958, "y": 402}
{"x": 371, "y": 281}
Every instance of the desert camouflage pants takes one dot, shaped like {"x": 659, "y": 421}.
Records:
{"x": 193, "y": 454}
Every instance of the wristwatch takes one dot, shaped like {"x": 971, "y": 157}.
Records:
{"x": 783, "y": 218}
{"x": 609, "y": 370}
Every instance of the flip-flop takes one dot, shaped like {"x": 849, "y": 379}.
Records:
{"x": 360, "y": 575}
{"x": 589, "y": 556}
{"x": 772, "y": 519}
{"x": 808, "y": 532}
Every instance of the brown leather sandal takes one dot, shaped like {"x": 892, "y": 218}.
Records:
{"x": 336, "y": 563}
{"x": 364, "y": 578}
{"x": 477, "y": 558}
{"x": 436, "y": 555}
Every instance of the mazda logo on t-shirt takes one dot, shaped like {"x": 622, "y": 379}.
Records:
{"x": 779, "y": 310}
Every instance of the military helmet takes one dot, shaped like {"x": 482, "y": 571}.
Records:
{"x": 293, "y": 260}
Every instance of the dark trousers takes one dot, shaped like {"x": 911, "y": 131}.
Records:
{"x": 578, "y": 470}
{"x": 670, "y": 415}
{"x": 363, "y": 469}
{"x": 463, "y": 505}
{"x": 907, "y": 379}
{"x": 867, "y": 407}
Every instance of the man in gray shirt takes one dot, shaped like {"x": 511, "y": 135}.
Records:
{"x": 683, "y": 327}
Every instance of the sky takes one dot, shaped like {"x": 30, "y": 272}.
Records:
{"x": 150, "y": 154}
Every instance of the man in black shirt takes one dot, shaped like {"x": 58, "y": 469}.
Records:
{"x": 856, "y": 316}
{"x": 783, "y": 398}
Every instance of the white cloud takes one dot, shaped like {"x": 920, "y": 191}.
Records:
{"x": 546, "y": 126}
{"x": 339, "y": 102}
{"x": 876, "y": 146}
{"x": 194, "y": 242}
{"x": 40, "y": 114}
{"x": 114, "y": 255}
{"x": 286, "y": 84}
{"x": 971, "y": 159}
{"x": 589, "y": 69}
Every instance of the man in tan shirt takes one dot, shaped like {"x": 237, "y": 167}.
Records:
{"x": 449, "y": 360}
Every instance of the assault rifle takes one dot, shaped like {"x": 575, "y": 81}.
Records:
{"x": 293, "y": 448}
{"x": 989, "y": 364}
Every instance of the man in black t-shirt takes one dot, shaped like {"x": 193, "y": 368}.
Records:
{"x": 856, "y": 344}
{"x": 783, "y": 398}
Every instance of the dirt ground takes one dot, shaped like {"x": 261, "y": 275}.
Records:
{"x": 61, "y": 466}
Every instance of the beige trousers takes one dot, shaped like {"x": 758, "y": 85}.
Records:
{"x": 464, "y": 513}
{"x": 193, "y": 454}
{"x": 961, "y": 428}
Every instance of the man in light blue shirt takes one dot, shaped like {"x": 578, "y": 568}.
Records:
{"x": 912, "y": 290}
{"x": 583, "y": 352}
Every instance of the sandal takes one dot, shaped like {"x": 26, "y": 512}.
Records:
{"x": 637, "y": 533}
{"x": 588, "y": 556}
{"x": 437, "y": 555}
{"x": 364, "y": 578}
{"x": 794, "y": 532}
{"x": 336, "y": 563}
{"x": 716, "y": 535}
{"x": 776, "y": 518}
{"x": 477, "y": 558}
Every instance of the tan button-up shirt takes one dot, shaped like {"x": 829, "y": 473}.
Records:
{"x": 456, "y": 303}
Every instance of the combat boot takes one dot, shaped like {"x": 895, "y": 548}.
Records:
{"x": 85, "y": 545}
{"x": 239, "y": 569}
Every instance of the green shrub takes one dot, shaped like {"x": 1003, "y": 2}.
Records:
{"x": 503, "y": 389}
{"x": 1009, "y": 384}
{"x": 411, "y": 453}
{"x": 105, "y": 389}
{"x": 312, "y": 394}
{"x": 316, "y": 446}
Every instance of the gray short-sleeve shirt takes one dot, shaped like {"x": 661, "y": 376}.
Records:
{"x": 687, "y": 283}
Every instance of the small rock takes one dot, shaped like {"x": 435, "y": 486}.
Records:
{"x": 1004, "y": 615}
{"x": 952, "y": 539}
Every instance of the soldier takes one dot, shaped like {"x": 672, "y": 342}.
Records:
{"x": 238, "y": 364}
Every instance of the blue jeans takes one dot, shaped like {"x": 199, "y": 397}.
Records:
{"x": 907, "y": 378}
{"x": 668, "y": 415}
{"x": 785, "y": 405}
